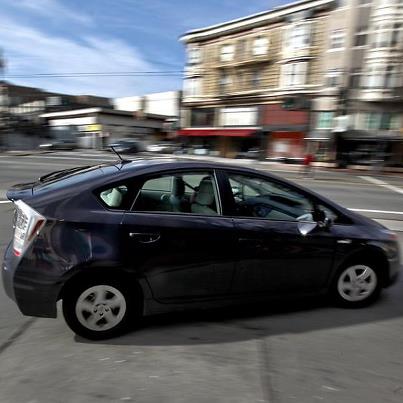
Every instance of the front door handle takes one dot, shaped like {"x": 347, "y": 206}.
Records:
{"x": 145, "y": 237}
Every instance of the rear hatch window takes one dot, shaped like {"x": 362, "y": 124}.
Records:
{"x": 59, "y": 179}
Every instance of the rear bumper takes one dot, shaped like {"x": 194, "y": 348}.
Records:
{"x": 34, "y": 295}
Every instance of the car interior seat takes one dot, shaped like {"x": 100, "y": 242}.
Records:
{"x": 204, "y": 202}
{"x": 112, "y": 197}
{"x": 176, "y": 199}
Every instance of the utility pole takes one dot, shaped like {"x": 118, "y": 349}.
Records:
{"x": 3, "y": 101}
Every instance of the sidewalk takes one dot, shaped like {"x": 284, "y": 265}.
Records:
{"x": 327, "y": 166}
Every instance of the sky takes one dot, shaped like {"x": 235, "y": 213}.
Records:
{"x": 103, "y": 36}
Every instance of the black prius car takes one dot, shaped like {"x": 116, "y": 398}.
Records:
{"x": 118, "y": 241}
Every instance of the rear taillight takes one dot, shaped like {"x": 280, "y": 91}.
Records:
{"x": 27, "y": 225}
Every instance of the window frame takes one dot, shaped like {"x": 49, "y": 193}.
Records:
{"x": 192, "y": 86}
{"x": 229, "y": 207}
{"x": 260, "y": 45}
{"x": 297, "y": 36}
{"x": 143, "y": 178}
{"x": 294, "y": 74}
{"x": 227, "y": 52}
{"x": 337, "y": 39}
{"x": 129, "y": 182}
{"x": 194, "y": 55}
{"x": 325, "y": 120}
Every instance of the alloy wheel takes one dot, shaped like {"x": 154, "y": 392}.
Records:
{"x": 357, "y": 283}
{"x": 100, "y": 308}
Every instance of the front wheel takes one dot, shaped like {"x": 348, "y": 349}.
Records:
{"x": 356, "y": 286}
{"x": 98, "y": 309}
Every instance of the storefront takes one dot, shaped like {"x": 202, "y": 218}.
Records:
{"x": 320, "y": 143}
{"x": 285, "y": 130}
{"x": 226, "y": 142}
{"x": 366, "y": 147}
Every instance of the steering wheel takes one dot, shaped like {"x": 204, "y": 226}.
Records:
{"x": 261, "y": 210}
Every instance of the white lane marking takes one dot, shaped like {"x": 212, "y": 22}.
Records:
{"x": 358, "y": 210}
{"x": 382, "y": 184}
{"x": 5, "y": 201}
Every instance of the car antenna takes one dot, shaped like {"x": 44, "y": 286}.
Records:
{"x": 120, "y": 157}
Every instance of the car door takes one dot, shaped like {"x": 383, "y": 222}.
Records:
{"x": 177, "y": 238}
{"x": 280, "y": 249}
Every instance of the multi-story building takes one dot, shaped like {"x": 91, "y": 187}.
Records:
{"x": 360, "y": 109}
{"x": 298, "y": 77}
{"x": 165, "y": 104}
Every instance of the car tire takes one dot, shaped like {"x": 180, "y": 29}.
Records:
{"x": 357, "y": 285}
{"x": 99, "y": 309}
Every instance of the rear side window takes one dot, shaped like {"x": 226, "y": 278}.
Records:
{"x": 117, "y": 196}
{"x": 192, "y": 193}
{"x": 114, "y": 197}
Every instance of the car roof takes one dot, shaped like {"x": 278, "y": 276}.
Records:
{"x": 175, "y": 163}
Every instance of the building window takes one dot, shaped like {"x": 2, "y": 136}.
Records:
{"x": 382, "y": 36}
{"x": 194, "y": 55}
{"x": 378, "y": 121}
{"x": 337, "y": 39}
{"x": 202, "y": 117}
{"x": 224, "y": 81}
{"x": 297, "y": 36}
{"x": 333, "y": 78}
{"x": 192, "y": 86}
{"x": 260, "y": 46}
{"x": 294, "y": 74}
{"x": 355, "y": 78}
{"x": 325, "y": 120}
{"x": 382, "y": 77}
{"x": 373, "y": 78}
{"x": 227, "y": 53}
{"x": 256, "y": 78}
{"x": 397, "y": 35}
{"x": 361, "y": 36}
{"x": 239, "y": 116}
{"x": 391, "y": 77}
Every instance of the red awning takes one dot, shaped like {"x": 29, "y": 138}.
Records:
{"x": 217, "y": 132}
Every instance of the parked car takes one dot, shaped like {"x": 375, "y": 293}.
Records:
{"x": 59, "y": 144}
{"x": 200, "y": 150}
{"x": 251, "y": 153}
{"x": 118, "y": 241}
{"x": 128, "y": 146}
{"x": 162, "y": 148}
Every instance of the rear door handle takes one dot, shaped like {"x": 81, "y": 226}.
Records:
{"x": 145, "y": 237}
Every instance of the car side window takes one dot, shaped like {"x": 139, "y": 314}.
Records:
{"x": 263, "y": 198}
{"x": 182, "y": 192}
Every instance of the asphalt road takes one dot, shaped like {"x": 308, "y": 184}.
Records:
{"x": 300, "y": 351}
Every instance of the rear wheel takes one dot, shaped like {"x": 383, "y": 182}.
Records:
{"x": 357, "y": 285}
{"x": 98, "y": 309}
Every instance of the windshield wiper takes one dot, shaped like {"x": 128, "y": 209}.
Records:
{"x": 61, "y": 173}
